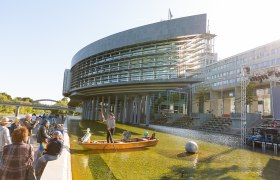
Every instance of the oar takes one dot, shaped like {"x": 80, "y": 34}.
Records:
{"x": 112, "y": 140}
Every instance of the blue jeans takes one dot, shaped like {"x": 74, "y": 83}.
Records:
{"x": 41, "y": 164}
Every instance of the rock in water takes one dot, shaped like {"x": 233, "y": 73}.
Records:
{"x": 191, "y": 147}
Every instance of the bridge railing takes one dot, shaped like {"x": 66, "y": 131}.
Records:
{"x": 37, "y": 106}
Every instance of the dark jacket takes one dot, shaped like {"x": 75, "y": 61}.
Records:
{"x": 13, "y": 127}
{"x": 54, "y": 147}
{"x": 42, "y": 134}
{"x": 28, "y": 124}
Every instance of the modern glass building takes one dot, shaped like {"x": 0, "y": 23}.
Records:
{"x": 140, "y": 70}
{"x": 121, "y": 72}
{"x": 223, "y": 77}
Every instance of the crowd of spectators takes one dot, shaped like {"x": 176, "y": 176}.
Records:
{"x": 17, "y": 154}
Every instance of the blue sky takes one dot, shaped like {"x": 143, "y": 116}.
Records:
{"x": 39, "y": 38}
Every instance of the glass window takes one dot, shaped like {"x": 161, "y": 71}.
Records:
{"x": 124, "y": 77}
{"x": 114, "y": 78}
{"x": 135, "y": 76}
{"x": 148, "y": 75}
{"x": 124, "y": 65}
{"x": 98, "y": 80}
{"x": 105, "y": 79}
{"x": 135, "y": 64}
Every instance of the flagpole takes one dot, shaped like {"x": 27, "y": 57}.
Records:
{"x": 169, "y": 14}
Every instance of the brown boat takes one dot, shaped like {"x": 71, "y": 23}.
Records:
{"x": 120, "y": 144}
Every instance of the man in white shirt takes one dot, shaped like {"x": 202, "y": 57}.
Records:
{"x": 5, "y": 137}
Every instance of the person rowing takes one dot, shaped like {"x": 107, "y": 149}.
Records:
{"x": 111, "y": 122}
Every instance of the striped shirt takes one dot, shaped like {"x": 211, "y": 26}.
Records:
{"x": 15, "y": 159}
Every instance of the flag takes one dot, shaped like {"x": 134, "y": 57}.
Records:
{"x": 169, "y": 15}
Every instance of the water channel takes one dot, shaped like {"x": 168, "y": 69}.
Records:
{"x": 218, "y": 158}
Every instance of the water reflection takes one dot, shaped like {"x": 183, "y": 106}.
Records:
{"x": 168, "y": 160}
{"x": 223, "y": 139}
{"x": 271, "y": 166}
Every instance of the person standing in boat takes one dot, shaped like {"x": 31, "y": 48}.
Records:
{"x": 111, "y": 123}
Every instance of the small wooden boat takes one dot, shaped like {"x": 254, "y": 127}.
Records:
{"x": 120, "y": 144}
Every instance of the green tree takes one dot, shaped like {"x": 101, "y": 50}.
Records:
{"x": 174, "y": 98}
{"x": 251, "y": 93}
{"x": 158, "y": 102}
{"x": 63, "y": 102}
{"x": 5, "y": 97}
{"x": 3, "y": 108}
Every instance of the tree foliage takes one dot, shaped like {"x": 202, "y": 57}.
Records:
{"x": 159, "y": 101}
{"x": 63, "y": 102}
{"x": 202, "y": 94}
{"x": 174, "y": 98}
{"x": 27, "y": 110}
{"x": 6, "y": 109}
{"x": 251, "y": 93}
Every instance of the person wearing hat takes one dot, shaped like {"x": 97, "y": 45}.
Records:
{"x": 27, "y": 122}
{"x": 4, "y": 134}
{"x": 14, "y": 125}
{"x": 51, "y": 153}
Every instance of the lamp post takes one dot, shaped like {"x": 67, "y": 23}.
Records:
{"x": 222, "y": 97}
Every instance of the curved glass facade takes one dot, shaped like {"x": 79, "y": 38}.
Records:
{"x": 122, "y": 71}
{"x": 168, "y": 59}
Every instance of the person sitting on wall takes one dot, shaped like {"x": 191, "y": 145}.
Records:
{"x": 52, "y": 152}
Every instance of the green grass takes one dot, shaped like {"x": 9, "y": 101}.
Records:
{"x": 167, "y": 160}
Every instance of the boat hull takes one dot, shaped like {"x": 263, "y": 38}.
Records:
{"x": 119, "y": 144}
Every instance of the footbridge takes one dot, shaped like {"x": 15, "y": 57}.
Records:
{"x": 37, "y": 105}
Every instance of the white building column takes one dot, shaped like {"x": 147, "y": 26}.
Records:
{"x": 92, "y": 112}
{"x": 135, "y": 103}
{"x": 108, "y": 106}
{"x": 96, "y": 108}
{"x": 148, "y": 110}
{"x": 116, "y": 108}
{"x": 139, "y": 107}
{"x": 102, "y": 106}
{"x": 124, "y": 110}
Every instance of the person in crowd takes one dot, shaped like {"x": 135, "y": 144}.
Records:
{"x": 29, "y": 125}
{"x": 14, "y": 125}
{"x": 42, "y": 138}
{"x": 60, "y": 128}
{"x": 40, "y": 122}
{"x": 17, "y": 157}
{"x": 62, "y": 119}
{"x": 34, "y": 117}
{"x": 43, "y": 118}
{"x": 5, "y": 138}
{"x": 111, "y": 122}
{"x": 52, "y": 152}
